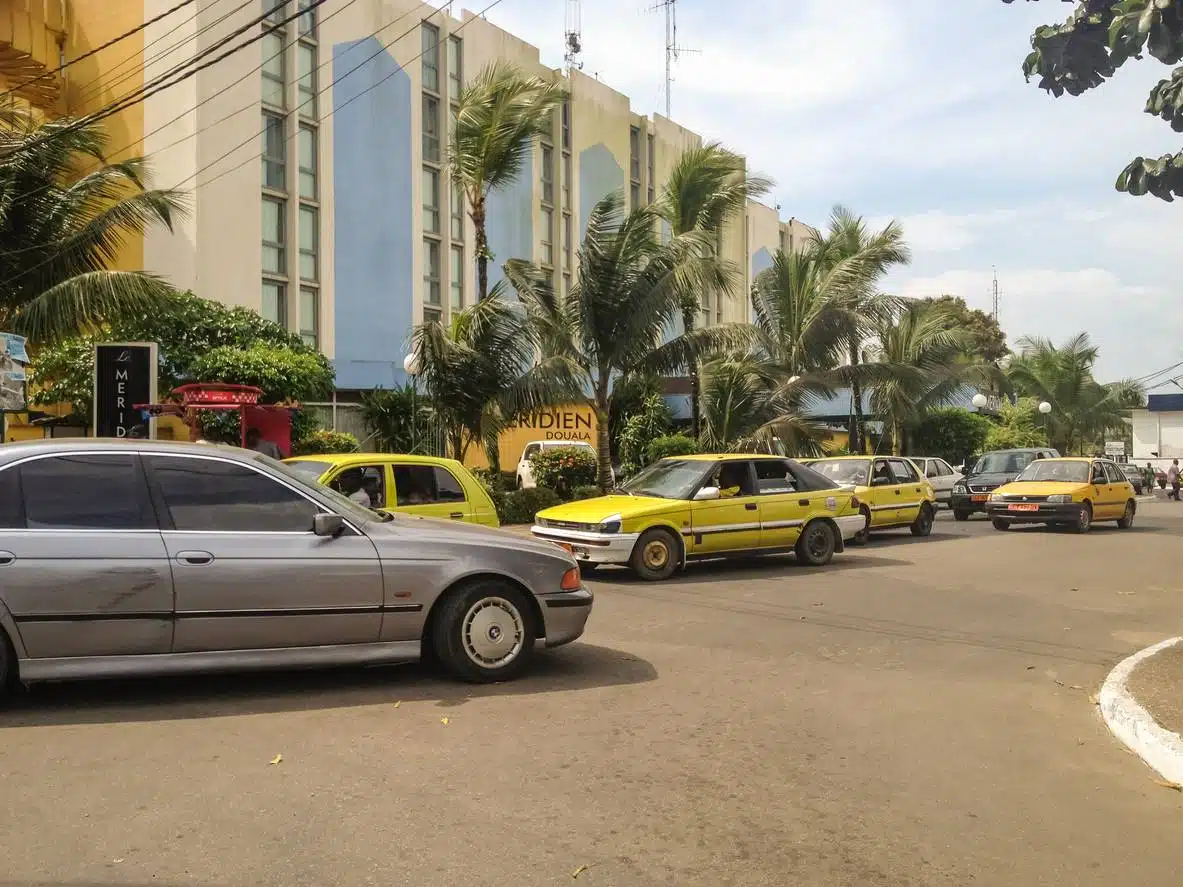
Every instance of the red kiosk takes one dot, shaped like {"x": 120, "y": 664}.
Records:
{"x": 274, "y": 421}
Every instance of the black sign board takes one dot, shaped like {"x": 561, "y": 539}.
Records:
{"x": 124, "y": 376}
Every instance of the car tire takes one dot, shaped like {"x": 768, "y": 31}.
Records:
{"x": 485, "y": 632}
{"x": 960, "y": 515}
{"x": 863, "y": 536}
{"x": 1000, "y": 523}
{"x": 1084, "y": 519}
{"x": 521, "y": 485}
{"x": 815, "y": 546}
{"x": 1127, "y": 519}
{"x": 922, "y": 526}
{"x": 655, "y": 556}
{"x": 8, "y": 672}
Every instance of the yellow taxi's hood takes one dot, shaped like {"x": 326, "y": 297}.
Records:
{"x": 1040, "y": 488}
{"x": 594, "y": 511}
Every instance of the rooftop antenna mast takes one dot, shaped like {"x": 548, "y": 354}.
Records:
{"x": 672, "y": 50}
{"x": 995, "y": 293}
{"x": 573, "y": 38}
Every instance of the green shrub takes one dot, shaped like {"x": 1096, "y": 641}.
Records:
{"x": 952, "y": 433}
{"x": 585, "y": 491}
{"x": 670, "y": 445}
{"x": 520, "y": 506}
{"x": 325, "y": 441}
{"x": 562, "y": 469}
{"x": 651, "y": 420}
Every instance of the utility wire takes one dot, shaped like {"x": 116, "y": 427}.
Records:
{"x": 97, "y": 49}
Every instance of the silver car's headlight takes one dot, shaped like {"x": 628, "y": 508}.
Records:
{"x": 610, "y": 524}
{"x": 1059, "y": 499}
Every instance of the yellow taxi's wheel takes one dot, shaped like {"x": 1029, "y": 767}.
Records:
{"x": 863, "y": 536}
{"x": 1127, "y": 518}
{"x": 922, "y": 526}
{"x": 1000, "y": 523}
{"x": 1084, "y": 519}
{"x": 655, "y": 556}
{"x": 815, "y": 545}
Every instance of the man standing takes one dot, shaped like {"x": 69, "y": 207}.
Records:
{"x": 255, "y": 441}
{"x": 1173, "y": 479}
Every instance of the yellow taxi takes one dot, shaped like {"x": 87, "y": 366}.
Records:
{"x": 892, "y": 492}
{"x": 1069, "y": 492}
{"x": 693, "y": 507}
{"x": 422, "y": 485}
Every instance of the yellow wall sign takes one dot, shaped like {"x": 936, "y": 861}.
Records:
{"x": 573, "y": 423}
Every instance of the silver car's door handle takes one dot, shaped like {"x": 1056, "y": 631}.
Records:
{"x": 6, "y": 558}
{"x": 194, "y": 558}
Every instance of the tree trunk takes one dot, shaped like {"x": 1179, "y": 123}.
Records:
{"x": 897, "y": 438}
{"x": 695, "y": 382}
{"x": 856, "y": 396}
{"x": 482, "y": 249}
{"x": 603, "y": 451}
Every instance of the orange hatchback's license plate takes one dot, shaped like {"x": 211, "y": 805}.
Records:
{"x": 1022, "y": 508}
{"x": 977, "y": 498}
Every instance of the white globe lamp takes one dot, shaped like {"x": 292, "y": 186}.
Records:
{"x": 1045, "y": 408}
{"x": 411, "y": 364}
{"x": 980, "y": 400}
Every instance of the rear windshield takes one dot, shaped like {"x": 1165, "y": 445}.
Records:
{"x": 1003, "y": 463}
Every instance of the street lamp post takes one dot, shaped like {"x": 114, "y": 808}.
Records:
{"x": 1045, "y": 409}
{"x": 980, "y": 400}
{"x": 412, "y": 366}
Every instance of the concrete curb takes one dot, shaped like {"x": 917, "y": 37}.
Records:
{"x": 1161, "y": 749}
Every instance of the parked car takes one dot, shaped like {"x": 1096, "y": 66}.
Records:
{"x": 890, "y": 490}
{"x": 989, "y": 472}
{"x": 422, "y": 485}
{"x": 1134, "y": 475}
{"x": 1071, "y": 492}
{"x": 525, "y": 472}
{"x": 687, "y": 508}
{"x": 940, "y": 474}
{"x": 150, "y": 557}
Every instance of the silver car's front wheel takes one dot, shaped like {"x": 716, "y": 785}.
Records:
{"x": 485, "y": 632}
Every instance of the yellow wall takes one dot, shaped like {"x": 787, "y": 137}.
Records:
{"x": 574, "y": 423}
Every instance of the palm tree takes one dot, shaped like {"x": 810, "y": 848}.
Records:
{"x": 64, "y": 214}
{"x": 847, "y": 237}
{"x": 628, "y": 288}
{"x": 708, "y": 188}
{"x": 1083, "y": 409}
{"x": 500, "y": 113}
{"x": 481, "y": 375}
{"x": 930, "y": 363}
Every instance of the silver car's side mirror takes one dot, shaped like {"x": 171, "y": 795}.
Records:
{"x": 328, "y": 525}
{"x": 706, "y": 493}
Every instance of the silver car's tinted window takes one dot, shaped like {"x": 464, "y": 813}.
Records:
{"x": 85, "y": 492}
{"x": 207, "y": 495}
{"x": 11, "y": 516}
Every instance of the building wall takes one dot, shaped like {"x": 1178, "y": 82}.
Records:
{"x": 1157, "y": 431}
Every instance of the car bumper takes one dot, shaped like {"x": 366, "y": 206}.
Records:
{"x": 965, "y": 502}
{"x": 565, "y": 615}
{"x": 1046, "y": 513}
{"x": 591, "y": 548}
{"x": 850, "y": 525}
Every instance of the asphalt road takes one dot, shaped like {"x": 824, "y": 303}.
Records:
{"x": 917, "y": 713}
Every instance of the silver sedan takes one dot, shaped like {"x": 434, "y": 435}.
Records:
{"x": 123, "y": 558}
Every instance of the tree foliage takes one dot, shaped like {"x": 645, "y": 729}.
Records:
{"x": 282, "y": 373}
{"x": 1019, "y": 425}
{"x": 987, "y": 341}
{"x": 1086, "y": 50}
{"x": 399, "y": 420}
{"x": 64, "y": 214}
{"x": 952, "y": 433}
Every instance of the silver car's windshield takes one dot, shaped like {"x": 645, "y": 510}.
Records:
{"x": 843, "y": 471}
{"x": 667, "y": 479}
{"x": 346, "y": 506}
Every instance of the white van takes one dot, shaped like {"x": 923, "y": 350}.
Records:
{"x": 526, "y": 470}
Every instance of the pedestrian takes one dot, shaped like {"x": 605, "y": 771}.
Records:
{"x": 1151, "y": 478}
{"x": 1173, "y": 480}
{"x": 256, "y": 442}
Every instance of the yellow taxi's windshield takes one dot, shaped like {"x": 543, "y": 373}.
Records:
{"x": 1048, "y": 470}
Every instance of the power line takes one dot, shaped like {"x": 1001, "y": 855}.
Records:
{"x": 97, "y": 49}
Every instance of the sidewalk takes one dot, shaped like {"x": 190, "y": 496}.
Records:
{"x": 1157, "y": 684}
{"x": 1142, "y": 703}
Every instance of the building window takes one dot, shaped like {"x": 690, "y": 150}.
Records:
{"x": 274, "y": 153}
{"x": 457, "y": 212}
{"x": 306, "y": 23}
{"x": 431, "y": 200}
{"x": 431, "y": 129}
{"x": 565, "y": 125}
{"x": 634, "y": 152}
{"x": 652, "y": 175}
{"x": 308, "y": 162}
{"x": 567, "y": 246}
{"x": 274, "y": 213}
{"x": 306, "y": 85}
{"x": 309, "y": 242}
{"x": 274, "y": 307}
{"x": 455, "y": 72}
{"x": 548, "y": 174}
{"x": 782, "y": 241}
{"x": 276, "y": 12}
{"x": 567, "y": 182}
{"x": 274, "y": 88}
{"x": 634, "y": 193}
{"x": 566, "y": 285}
{"x": 431, "y": 274}
{"x": 548, "y": 250}
{"x": 310, "y": 316}
{"x": 431, "y": 56}
{"x": 456, "y": 279}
